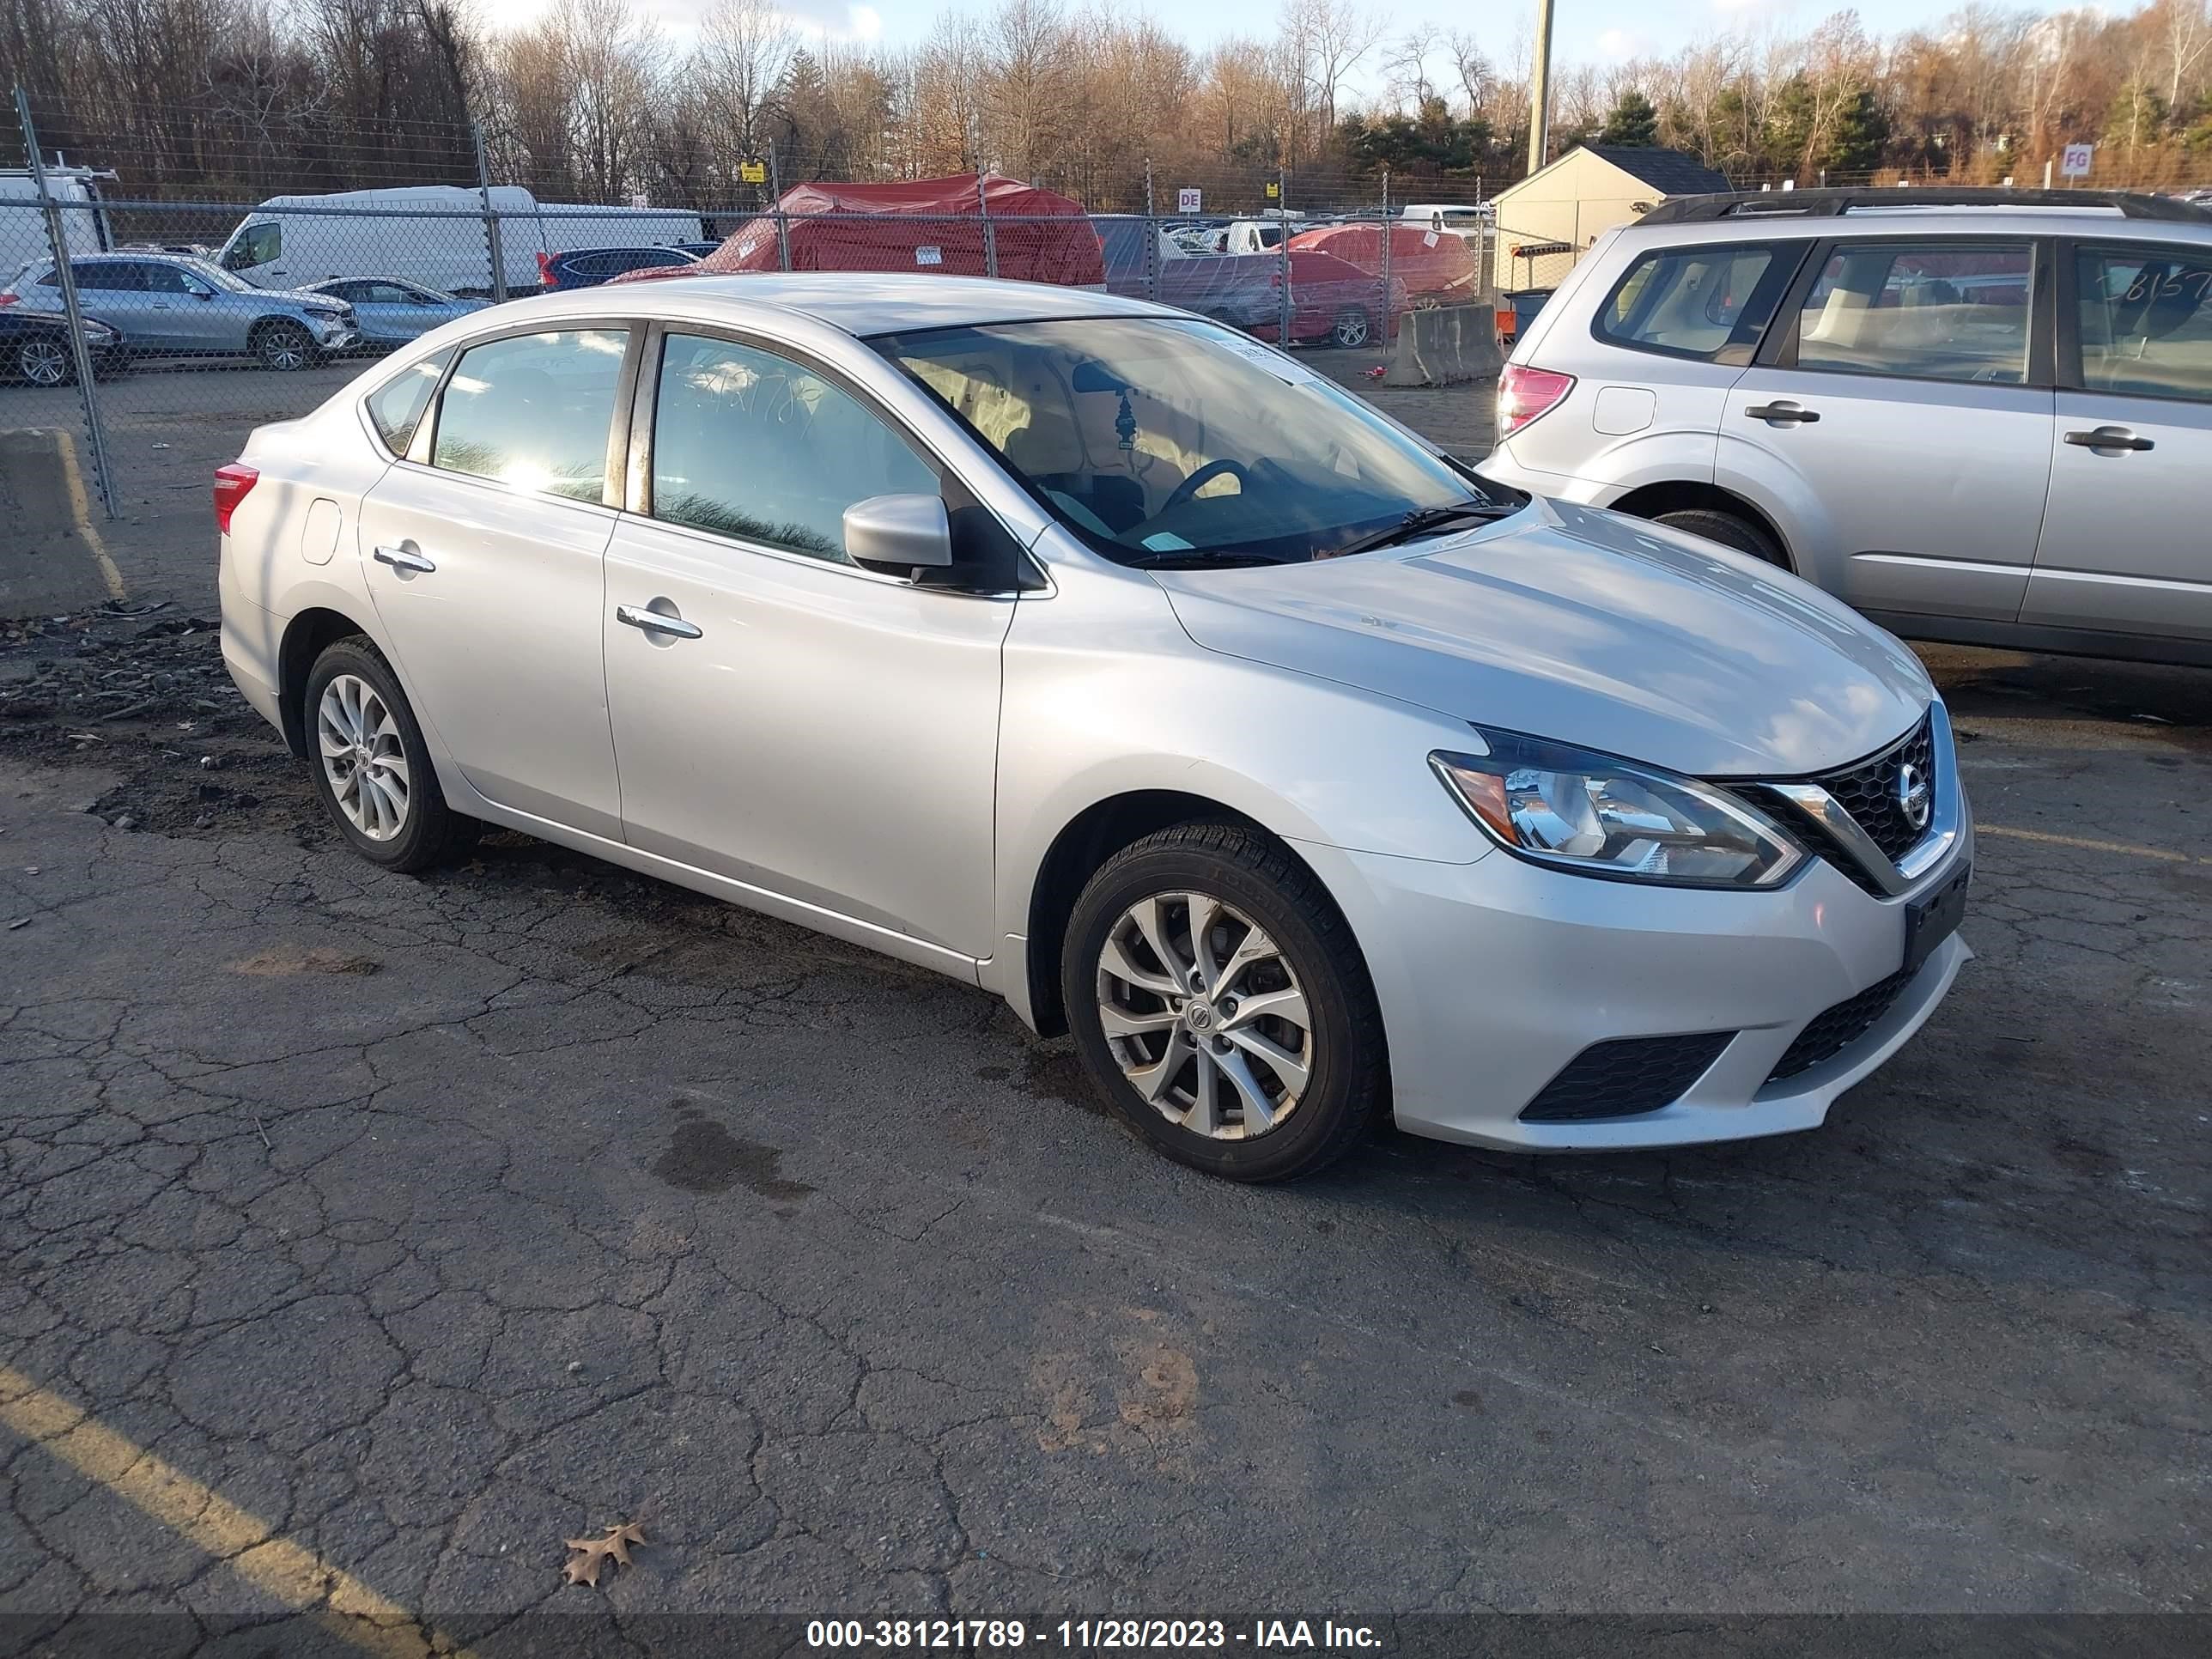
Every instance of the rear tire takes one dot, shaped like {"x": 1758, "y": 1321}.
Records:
{"x": 1294, "y": 1088}
{"x": 1728, "y": 530}
{"x": 43, "y": 362}
{"x": 372, "y": 771}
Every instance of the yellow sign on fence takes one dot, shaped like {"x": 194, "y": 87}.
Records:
{"x": 753, "y": 172}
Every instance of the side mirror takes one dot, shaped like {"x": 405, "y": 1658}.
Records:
{"x": 905, "y": 532}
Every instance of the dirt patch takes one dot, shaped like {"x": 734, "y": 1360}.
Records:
{"x": 142, "y": 692}
{"x": 315, "y": 959}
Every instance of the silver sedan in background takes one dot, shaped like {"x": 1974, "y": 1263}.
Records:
{"x": 390, "y": 312}
{"x": 1107, "y": 660}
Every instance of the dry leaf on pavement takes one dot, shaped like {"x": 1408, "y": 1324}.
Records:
{"x": 584, "y": 1567}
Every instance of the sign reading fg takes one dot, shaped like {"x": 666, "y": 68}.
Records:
{"x": 2074, "y": 163}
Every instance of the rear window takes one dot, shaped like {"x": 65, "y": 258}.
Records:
{"x": 1695, "y": 302}
{"x": 534, "y": 411}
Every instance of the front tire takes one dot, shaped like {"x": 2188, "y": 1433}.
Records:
{"x": 1728, "y": 530}
{"x": 285, "y": 347}
{"x": 372, "y": 771}
{"x": 1350, "y": 328}
{"x": 1219, "y": 1002}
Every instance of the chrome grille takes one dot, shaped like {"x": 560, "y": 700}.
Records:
{"x": 1867, "y": 791}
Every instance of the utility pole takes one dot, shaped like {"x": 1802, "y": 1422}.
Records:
{"x": 1539, "y": 89}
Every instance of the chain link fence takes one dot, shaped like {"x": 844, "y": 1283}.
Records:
{"x": 163, "y": 297}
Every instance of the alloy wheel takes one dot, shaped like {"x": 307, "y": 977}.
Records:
{"x": 1351, "y": 329}
{"x": 284, "y": 347}
{"x": 362, "y": 757}
{"x": 1205, "y": 1016}
{"x": 43, "y": 362}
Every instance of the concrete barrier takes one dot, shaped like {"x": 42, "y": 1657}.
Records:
{"x": 1446, "y": 346}
{"x": 50, "y": 556}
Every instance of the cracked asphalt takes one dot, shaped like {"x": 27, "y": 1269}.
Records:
{"x": 430, "y": 1221}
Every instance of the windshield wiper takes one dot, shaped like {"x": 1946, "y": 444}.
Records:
{"x": 1194, "y": 558}
{"x": 1419, "y": 522}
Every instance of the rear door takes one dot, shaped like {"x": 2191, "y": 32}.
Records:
{"x": 113, "y": 291}
{"x": 2126, "y": 547}
{"x": 1899, "y": 416}
{"x": 484, "y": 549}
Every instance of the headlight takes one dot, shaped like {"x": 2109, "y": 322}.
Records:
{"x": 1602, "y": 817}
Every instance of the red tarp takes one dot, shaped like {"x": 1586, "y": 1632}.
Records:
{"x": 923, "y": 224}
{"x": 1431, "y": 264}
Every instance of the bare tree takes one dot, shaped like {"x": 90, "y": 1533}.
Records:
{"x": 1331, "y": 38}
{"x": 743, "y": 49}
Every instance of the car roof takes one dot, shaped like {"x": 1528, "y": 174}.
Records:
{"x": 859, "y": 303}
{"x": 1833, "y": 213}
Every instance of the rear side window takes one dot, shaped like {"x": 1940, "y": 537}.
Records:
{"x": 395, "y": 409}
{"x": 121, "y": 278}
{"x": 2145, "y": 315}
{"x": 534, "y": 410}
{"x": 1695, "y": 302}
{"x": 1931, "y": 311}
{"x": 755, "y": 445}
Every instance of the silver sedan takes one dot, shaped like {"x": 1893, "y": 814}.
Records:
{"x": 1104, "y": 658}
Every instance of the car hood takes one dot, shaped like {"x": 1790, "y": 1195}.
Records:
{"x": 1585, "y": 627}
{"x": 296, "y": 296}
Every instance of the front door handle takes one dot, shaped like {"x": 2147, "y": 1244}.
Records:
{"x": 1782, "y": 414}
{"x": 405, "y": 558}
{"x": 2109, "y": 437}
{"x": 656, "y": 622}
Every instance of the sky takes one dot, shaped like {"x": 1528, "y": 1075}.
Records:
{"x": 1596, "y": 32}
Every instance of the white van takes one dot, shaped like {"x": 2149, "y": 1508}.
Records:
{"x": 431, "y": 234}
{"x": 1263, "y": 235}
{"x": 23, "y": 224}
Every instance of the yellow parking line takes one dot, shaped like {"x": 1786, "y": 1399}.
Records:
{"x": 2163, "y": 854}
{"x": 73, "y": 478}
{"x": 296, "y": 1576}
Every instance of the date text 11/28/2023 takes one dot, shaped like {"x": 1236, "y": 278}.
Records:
{"x": 1089, "y": 1635}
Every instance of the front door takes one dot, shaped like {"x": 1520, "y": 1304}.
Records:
{"x": 791, "y": 720}
{"x": 485, "y": 554}
{"x": 1903, "y": 412}
{"x": 2126, "y": 548}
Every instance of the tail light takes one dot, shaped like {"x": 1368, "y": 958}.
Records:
{"x": 1525, "y": 394}
{"x": 8, "y": 297}
{"x": 545, "y": 270}
{"x": 232, "y": 482}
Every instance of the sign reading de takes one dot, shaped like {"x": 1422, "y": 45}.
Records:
{"x": 1186, "y": 200}
{"x": 2074, "y": 163}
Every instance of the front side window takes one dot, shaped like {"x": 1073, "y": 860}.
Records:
{"x": 534, "y": 411}
{"x": 751, "y": 444}
{"x": 1163, "y": 441}
{"x": 1938, "y": 311}
{"x": 395, "y": 409}
{"x": 255, "y": 245}
{"x": 2145, "y": 315}
{"x": 164, "y": 279}
{"x": 1693, "y": 302}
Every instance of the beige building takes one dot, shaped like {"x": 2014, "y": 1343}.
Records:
{"x": 1549, "y": 220}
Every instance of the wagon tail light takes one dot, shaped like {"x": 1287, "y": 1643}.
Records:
{"x": 1525, "y": 394}
{"x": 232, "y": 482}
{"x": 545, "y": 269}
{"x": 8, "y": 297}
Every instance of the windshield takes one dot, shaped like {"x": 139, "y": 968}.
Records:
{"x": 211, "y": 271}
{"x": 1158, "y": 436}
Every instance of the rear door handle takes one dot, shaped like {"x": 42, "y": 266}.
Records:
{"x": 2109, "y": 437}
{"x": 1782, "y": 414}
{"x": 656, "y": 622}
{"x": 403, "y": 558}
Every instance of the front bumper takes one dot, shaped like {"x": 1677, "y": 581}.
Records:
{"x": 1493, "y": 976}
{"x": 333, "y": 336}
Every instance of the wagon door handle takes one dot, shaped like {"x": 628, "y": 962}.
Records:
{"x": 656, "y": 622}
{"x": 2109, "y": 437}
{"x": 1782, "y": 414}
{"x": 405, "y": 558}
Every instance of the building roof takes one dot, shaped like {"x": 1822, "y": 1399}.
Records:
{"x": 1667, "y": 171}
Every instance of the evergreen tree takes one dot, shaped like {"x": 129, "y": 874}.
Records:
{"x": 1633, "y": 121}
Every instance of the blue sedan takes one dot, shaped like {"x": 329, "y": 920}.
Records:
{"x": 390, "y": 312}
